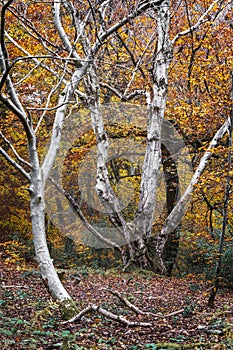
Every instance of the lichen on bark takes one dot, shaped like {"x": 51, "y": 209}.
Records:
{"x": 68, "y": 309}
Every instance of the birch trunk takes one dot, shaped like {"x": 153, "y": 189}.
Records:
{"x": 45, "y": 263}
{"x": 103, "y": 187}
{"x": 156, "y": 108}
{"x": 152, "y": 161}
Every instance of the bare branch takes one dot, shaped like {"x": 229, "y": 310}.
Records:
{"x": 26, "y": 23}
{"x": 141, "y": 9}
{"x": 138, "y": 64}
{"x": 200, "y": 21}
{"x": 35, "y": 58}
{"x": 128, "y": 97}
{"x": 78, "y": 210}
{"x": 21, "y": 115}
{"x": 49, "y": 98}
{"x": 135, "y": 63}
{"x": 48, "y": 109}
{"x": 2, "y": 34}
{"x": 126, "y": 302}
{"x": 112, "y": 89}
{"x": 140, "y": 312}
{"x": 108, "y": 314}
{"x": 14, "y": 151}
{"x": 15, "y": 164}
{"x": 64, "y": 37}
{"x": 64, "y": 99}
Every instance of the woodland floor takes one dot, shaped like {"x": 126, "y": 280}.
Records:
{"x": 30, "y": 320}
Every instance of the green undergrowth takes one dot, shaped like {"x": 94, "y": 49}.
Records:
{"x": 29, "y": 320}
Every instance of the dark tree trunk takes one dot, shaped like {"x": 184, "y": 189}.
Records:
{"x": 172, "y": 196}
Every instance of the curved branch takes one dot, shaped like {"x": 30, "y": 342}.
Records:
{"x": 2, "y": 34}
{"x": 64, "y": 99}
{"x": 79, "y": 212}
{"x": 128, "y": 97}
{"x": 64, "y": 37}
{"x": 144, "y": 6}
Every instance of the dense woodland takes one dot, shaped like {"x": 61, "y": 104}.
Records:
{"x": 116, "y": 174}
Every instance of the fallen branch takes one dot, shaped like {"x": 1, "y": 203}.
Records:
{"x": 108, "y": 314}
{"x": 12, "y": 286}
{"x": 121, "y": 319}
{"x": 126, "y": 302}
{"x": 184, "y": 346}
{"x": 140, "y": 312}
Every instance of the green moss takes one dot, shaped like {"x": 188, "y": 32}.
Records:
{"x": 68, "y": 309}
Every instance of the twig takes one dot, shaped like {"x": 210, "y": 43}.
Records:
{"x": 4, "y": 286}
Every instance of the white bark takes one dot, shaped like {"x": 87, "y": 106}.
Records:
{"x": 64, "y": 98}
{"x": 152, "y": 161}
{"x": 43, "y": 258}
{"x": 176, "y": 215}
{"x": 110, "y": 315}
{"x": 39, "y": 174}
{"x": 36, "y": 180}
{"x": 151, "y": 168}
{"x": 103, "y": 187}
{"x": 63, "y": 35}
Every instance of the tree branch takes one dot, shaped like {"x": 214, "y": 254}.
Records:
{"x": 64, "y": 99}
{"x": 64, "y": 37}
{"x": 201, "y": 20}
{"x": 14, "y": 151}
{"x": 108, "y": 314}
{"x": 2, "y": 34}
{"x": 15, "y": 164}
{"x": 128, "y": 97}
{"x": 144, "y": 6}
{"x": 177, "y": 213}
{"x": 78, "y": 210}
{"x": 19, "y": 113}
{"x": 35, "y": 58}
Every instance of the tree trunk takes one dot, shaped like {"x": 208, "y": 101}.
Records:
{"x": 45, "y": 263}
{"x": 172, "y": 196}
